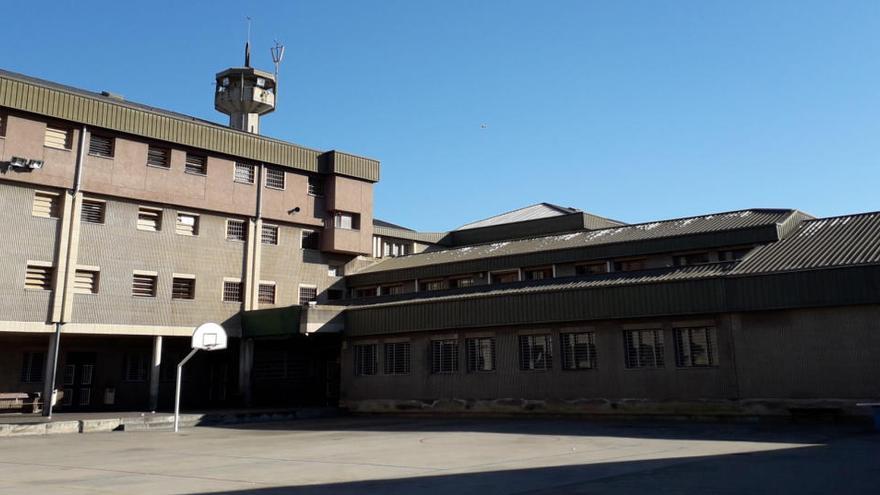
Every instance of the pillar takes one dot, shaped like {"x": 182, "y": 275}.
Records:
{"x": 51, "y": 368}
{"x": 155, "y": 373}
{"x": 245, "y": 365}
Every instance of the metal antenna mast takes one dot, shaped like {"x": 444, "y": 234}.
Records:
{"x": 247, "y": 45}
{"x": 277, "y": 55}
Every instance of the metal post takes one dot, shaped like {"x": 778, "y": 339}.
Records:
{"x": 177, "y": 389}
{"x": 155, "y": 373}
{"x": 50, "y": 380}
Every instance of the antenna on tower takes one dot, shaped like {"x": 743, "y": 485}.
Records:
{"x": 247, "y": 45}
{"x": 277, "y": 55}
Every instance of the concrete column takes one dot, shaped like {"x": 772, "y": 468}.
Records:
{"x": 245, "y": 365}
{"x": 52, "y": 353}
{"x": 154, "y": 372}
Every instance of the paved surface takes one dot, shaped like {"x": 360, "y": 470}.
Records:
{"x": 395, "y": 456}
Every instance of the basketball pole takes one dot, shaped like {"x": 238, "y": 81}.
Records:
{"x": 177, "y": 390}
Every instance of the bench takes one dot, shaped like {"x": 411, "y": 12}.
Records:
{"x": 875, "y": 408}
{"x": 21, "y": 401}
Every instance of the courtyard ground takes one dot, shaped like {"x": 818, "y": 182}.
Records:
{"x": 449, "y": 456}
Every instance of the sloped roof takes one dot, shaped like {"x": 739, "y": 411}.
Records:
{"x": 532, "y": 212}
{"x": 628, "y": 233}
{"x": 383, "y": 223}
{"x": 820, "y": 243}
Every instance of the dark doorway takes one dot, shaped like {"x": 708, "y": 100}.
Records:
{"x": 78, "y": 381}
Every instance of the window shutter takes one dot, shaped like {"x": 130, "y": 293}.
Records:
{"x": 46, "y": 204}
{"x": 158, "y": 157}
{"x": 149, "y": 219}
{"x": 57, "y": 137}
{"x": 85, "y": 282}
{"x": 187, "y": 224}
{"x": 101, "y": 146}
{"x": 143, "y": 285}
{"x": 92, "y": 211}
{"x": 196, "y": 164}
{"x": 183, "y": 288}
{"x": 39, "y": 277}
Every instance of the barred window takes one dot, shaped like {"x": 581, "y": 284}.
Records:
{"x": 307, "y": 294}
{"x": 444, "y": 356}
{"x": 137, "y": 366}
{"x": 480, "y": 354}
{"x": 46, "y": 204}
{"x": 391, "y": 290}
{"x": 644, "y": 348}
{"x": 158, "y": 156}
{"x": 538, "y": 273}
{"x": 591, "y": 268}
{"x": 143, "y": 285}
{"x": 93, "y": 211}
{"x": 187, "y": 224}
{"x": 275, "y": 178}
{"x": 101, "y": 146}
{"x": 535, "y": 352}
{"x": 183, "y": 288}
{"x": 316, "y": 185}
{"x": 365, "y": 292}
{"x": 232, "y": 291}
{"x": 696, "y": 347}
{"x": 269, "y": 234}
{"x": 430, "y": 285}
{"x": 32, "y": 367}
{"x": 578, "y": 351}
{"x": 57, "y": 137}
{"x": 235, "y": 230}
{"x": 397, "y": 358}
{"x": 196, "y": 164}
{"x": 149, "y": 219}
{"x": 244, "y": 172}
{"x": 39, "y": 277}
{"x": 365, "y": 359}
{"x": 463, "y": 282}
{"x": 309, "y": 240}
{"x": 505, "y": 277}
{"x": 266, "y": 293}
{"x": 85, "y": 281}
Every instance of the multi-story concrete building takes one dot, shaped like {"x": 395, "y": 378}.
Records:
{"x": 128, "y": 226}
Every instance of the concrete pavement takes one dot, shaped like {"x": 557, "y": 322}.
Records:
{"x": 461, "y": 456}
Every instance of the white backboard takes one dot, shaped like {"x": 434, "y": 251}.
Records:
{"x": 209, "y": 337}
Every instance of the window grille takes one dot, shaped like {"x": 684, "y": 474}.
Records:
{"x": 92, "y": 211}
{"x": 397, "y": 360}
{"x": 275, "y": 178}
{"x": 39, "y": 277}
{"x": 538, "y": 274}
{"x": 143, "y": 285}
{"x": 235, "y": 230}
{"x": 266, "y": 294}
{"x": 196, "y": 164}
{"x": 187, "y": 224}
{"x": 158, "y": 157}
{"x": 505, "y": 277}
{"x": 391, "y": 290}
{"x": 244, "y": 172}
{"x": 149, "y": 219}
{"x": 316, "y": 185}
{"x": 32, "y": 367}
{"x": 365, "y": 359}
{"x": 269, "y": 234}
{"x": 578, "y": 350}
{"x": 444, "y": 356}
{"x": 46, "y": 204}
{"x": 696, "y": 347}
{"x": 644, "y": 348}
{"x": 307, "y": 295}
{"x": 591, "y": 268}
{"x": 137, "y": 367}
{"x": 85, "y": 282}
{"x": 535, "y": 352}
{"x": 433, "y": 285}
{"x": 231, "y": 291}
{"x": 310, "y": 239}
{"x": 460, "y": 283}
{"x": 183, "y": 288}
{"x": 480, "y": 354}
{"x": 57, "y": 137}
{"x": 101, "y": 146}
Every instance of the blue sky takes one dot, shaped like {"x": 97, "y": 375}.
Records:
{"x": 635, "y": 110}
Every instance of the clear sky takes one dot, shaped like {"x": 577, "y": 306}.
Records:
{"x": 635, "y": 110}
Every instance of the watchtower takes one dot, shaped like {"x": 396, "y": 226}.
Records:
{"x": 245, "y": 93}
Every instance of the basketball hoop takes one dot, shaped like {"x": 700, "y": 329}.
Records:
{"x": 208, "y": 337}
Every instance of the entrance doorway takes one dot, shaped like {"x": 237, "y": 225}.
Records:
{"x": 77, "y": 381}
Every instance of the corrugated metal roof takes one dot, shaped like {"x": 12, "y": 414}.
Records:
{"x": 532, "y": 212}
{"x": 630, "y": 233}
{"x": 819, "y": 243}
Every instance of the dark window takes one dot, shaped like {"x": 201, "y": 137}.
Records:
{"x": 269, "y": 234}
{"x": 310, "y": 239}
{"x": 335, "y": 294}
{"x": 463, "y": 282}
{"x": 397, "y": 358}
{"x": 444, "y": 356}
{"x": 137, "y": 367}
{"x": 316, "y": 185}
{"x": 183, "y": 288}
{"x": 275, "y": 178}
{"x": 32, "y": 367}
{"x": 92, "y": 211}
{"x": 143, "y": 285}
{"x": 365, "y": 292}
{"x": 535, "y": 352}
{"x": 629, "y": 265}
{"x": 695, "y": 347}
{"x": 245, "y": 172}
{"x": 307, "y": 295}
{"x": 505, "y": 277}
{"x": 538, "y": 273}
{"x": 591, "y": 268}
{"x": 480, "y": 354}
{"x": 391, "y": 290}
{"x": 348, "y": 221}
{"x": 431, "y": 285}
{"x": 235, "y": 230}
{"x": 232, "y": 291}
{"x": 578, "y": 350}
{"x": 365, "y": 359}
{"x": 691, "y": 259}
{"x": 3, "y": 119}
{"x": 101, "y": 146}
{"x": 196, "y": 164}
{"x": 158, "y": 156}
{"x": 733, "y": 254}
{"x": 266, "y": 294}
{"x": 644, "y": 348}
